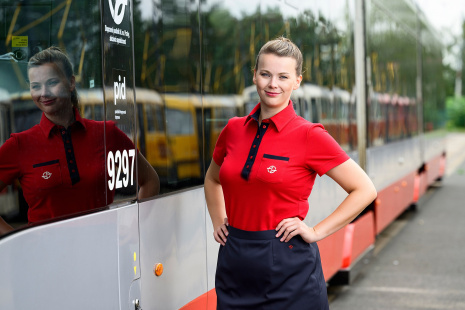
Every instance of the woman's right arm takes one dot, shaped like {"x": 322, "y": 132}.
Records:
{"x": 215, "y": 203}
{"x": 4, "y": 227}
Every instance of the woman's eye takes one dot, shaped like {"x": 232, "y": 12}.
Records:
{"x": 283, "y": 77}
{"x": 264, "y": 74}
{"x": 35, "y": 87}
{"x": 52, "y": 83}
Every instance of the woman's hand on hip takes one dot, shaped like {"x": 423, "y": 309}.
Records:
{"x": 221, "y": 233}
{"x": 294, "y": 226}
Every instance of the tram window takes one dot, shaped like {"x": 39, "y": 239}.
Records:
{"x": 150, "y": 118}
{"x": 98, "y": 113}
{"x": 179, "y": 122}
{"x": 53, "y": 29}
{"x": 88, "y": 112}
{"x": 159, "y": 124}
{"x": 315, "y": 118}
{"x": 222, "y": 115}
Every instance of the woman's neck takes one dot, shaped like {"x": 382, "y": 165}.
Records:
{"x": 266, "y": 113}
{"x": 63, "y": 118}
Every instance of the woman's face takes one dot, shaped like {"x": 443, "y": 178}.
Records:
{"x": 50, "y": 89}
{"x": 275, "y": 78}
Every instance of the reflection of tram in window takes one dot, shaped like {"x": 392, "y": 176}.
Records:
{"x": 170, "y": 128}
{"x": 190, "y": 117}
{"x": 318, "y": 105}
{"x": 8, "y": 197}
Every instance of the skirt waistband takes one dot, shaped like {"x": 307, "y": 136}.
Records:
{"x": 252, "y": 235}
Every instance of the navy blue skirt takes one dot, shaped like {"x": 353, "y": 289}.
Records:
{"x": 257, "y": 271}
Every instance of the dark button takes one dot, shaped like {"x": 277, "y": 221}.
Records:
{"x": 248, "y": 166}
{"x": 63, "y": 132}
{"x": 264, "y": 126}
{"x": 258, "y": 137}
{"x": 251, "y": 157}
{"x": 254, "y": 146}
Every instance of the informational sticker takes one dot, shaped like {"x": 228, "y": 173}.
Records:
{"x": 19, "y": 41}
{"x": 117, "y": 23}
{"x": 119, "y": 94}
{"x": 120, "y": 167}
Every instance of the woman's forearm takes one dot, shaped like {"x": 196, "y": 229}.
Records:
{"x": 361, "y": 192}
{"x": 4, "y": 227}
{"x": 214, "y": 195}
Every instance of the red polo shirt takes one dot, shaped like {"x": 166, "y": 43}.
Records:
{"x": 61, "y": 171}
{"x": 267, "y": 172}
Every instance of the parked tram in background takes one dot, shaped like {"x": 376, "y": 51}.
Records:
{"x": 170, "y": 74}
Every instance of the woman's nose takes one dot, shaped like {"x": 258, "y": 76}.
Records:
{"x": 45, "y": 91}
{"x": 273, "y": 82}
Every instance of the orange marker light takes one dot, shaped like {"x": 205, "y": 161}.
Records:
{"x": 158, "y": 269}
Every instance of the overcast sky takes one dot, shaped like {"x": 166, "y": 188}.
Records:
{"x": 447, "y": 17}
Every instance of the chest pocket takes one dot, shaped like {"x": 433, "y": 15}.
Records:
{"x": 272, "y": 168}
{"x": 47, "y": 174}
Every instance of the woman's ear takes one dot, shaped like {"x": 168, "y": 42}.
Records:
{"x": 297, "y": 82}
{"x": 254, "y": 76}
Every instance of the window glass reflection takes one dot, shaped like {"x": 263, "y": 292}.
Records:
{"x": 202, "y": 71}
{"x": 55, "y": 164}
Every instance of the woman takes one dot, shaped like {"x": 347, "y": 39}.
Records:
{"x": 60, "y": 162}
{"x": 257, "y": 188}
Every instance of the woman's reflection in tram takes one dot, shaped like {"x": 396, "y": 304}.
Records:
{"x": 60, "y": 163}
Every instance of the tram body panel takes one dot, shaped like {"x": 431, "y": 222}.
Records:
{"x": 388, "y": 163}
{"x": 85, "y": 262}
{"x": 173, "y": 233}
{"x": 325, "y": 197}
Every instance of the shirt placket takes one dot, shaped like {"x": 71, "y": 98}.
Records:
{"x": 254, "y": 149}
{"x": 70, "y": 157}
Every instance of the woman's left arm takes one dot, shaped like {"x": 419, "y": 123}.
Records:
{"x": 361, "y": 192}
{"x": 149, "y": 183}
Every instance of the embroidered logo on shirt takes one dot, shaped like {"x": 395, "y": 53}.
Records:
{"x": 46, "y": 175}
{"x": 291, "y": 246}
{"x": 271, "y": 169}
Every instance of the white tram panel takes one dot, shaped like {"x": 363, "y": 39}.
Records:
{"x": 173, "y": 233}
{"x": 387, "y": 163}
{"x": 72, "y": 264}
{"x": 434, "y": 144}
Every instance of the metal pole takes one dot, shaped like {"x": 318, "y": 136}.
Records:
{"x": 360, "y": 81}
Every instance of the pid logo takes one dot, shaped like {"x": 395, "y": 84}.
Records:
{"x": 119, "y": 89}
{"x": 117, "y": 10}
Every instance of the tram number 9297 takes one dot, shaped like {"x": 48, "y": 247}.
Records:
{"x": 120, "y": 162}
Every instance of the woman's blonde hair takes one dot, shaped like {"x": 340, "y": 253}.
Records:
{"x": 282, "y": 47}
{"x": 54, "y": 55}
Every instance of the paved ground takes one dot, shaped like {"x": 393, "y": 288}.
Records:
{"x": 422, "y": 266}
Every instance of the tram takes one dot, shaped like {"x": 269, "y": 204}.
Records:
{"x": 170, "y": 74}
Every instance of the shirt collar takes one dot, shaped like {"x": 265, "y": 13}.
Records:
{"x": 47, "y": 126}
{"x": 280, "y": 120}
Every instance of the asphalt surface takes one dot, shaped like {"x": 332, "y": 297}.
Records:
{"x": 419, "y": 260}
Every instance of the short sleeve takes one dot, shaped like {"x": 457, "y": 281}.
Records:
{"x": 9, "y": 155}
{"x": 323, "y": 152}
{"x": 220, "y": 148}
